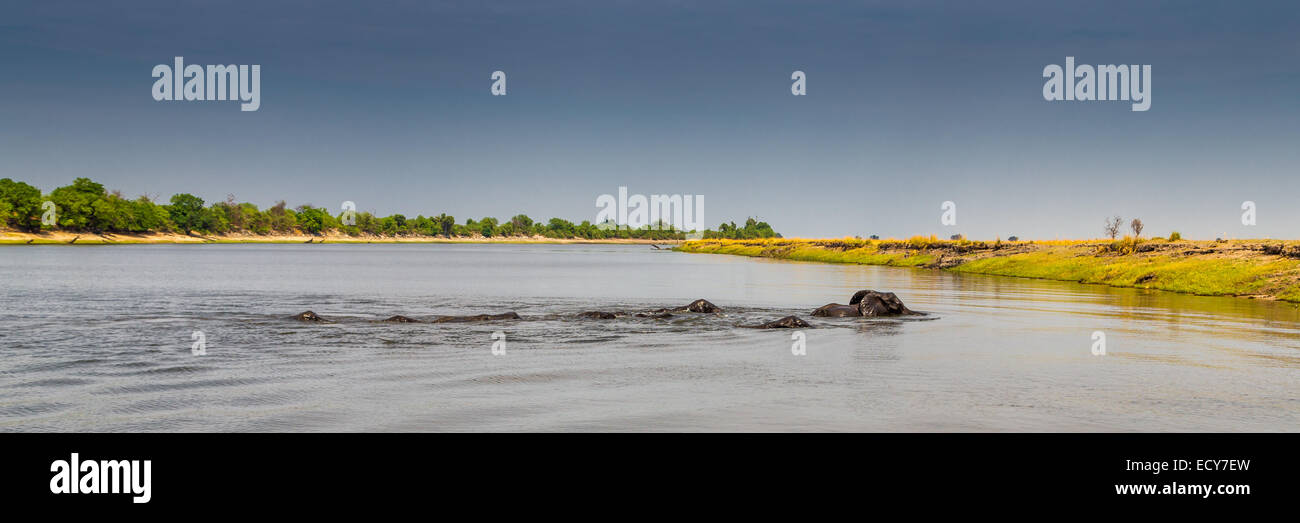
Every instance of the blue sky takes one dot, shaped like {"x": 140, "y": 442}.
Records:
{"x": 909, "y": 104}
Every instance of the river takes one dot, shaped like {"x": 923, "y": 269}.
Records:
{"x": 102, "y": 338}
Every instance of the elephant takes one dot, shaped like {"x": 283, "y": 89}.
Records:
{"x": 866, "y": 303}
{"x": 836, "y": 310}
{"x": 788, "y": 322}
{"x": 477, "y": 317}
{"x": 700, "y": 305}
{"x": 309, "y": 316}
{"x": 873, "y": 303}
{"x": 602, "y": 315}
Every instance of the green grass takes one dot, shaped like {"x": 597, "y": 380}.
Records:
{"x": 1202, "y": 275}
{"x": 867, "y": 255}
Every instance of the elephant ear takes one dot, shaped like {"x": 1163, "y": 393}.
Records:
{"x": 882, "y": 304}
{"x": 857, "y": 296}
{"x": 895, "y": 304}
{"x": 873, "y": 305}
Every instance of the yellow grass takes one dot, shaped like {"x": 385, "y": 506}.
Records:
{"x": 1237, "y": 268}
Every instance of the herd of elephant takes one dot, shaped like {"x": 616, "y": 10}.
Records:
{"x": 865, "y": 303}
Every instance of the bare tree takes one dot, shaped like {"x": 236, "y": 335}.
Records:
{"x": 1112, "y": 226}
{"x": 1136, "y": 225}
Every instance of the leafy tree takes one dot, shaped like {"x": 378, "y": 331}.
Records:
{"x": 522, "y": 223}
{"x": 147, "y": 216}
{"x": 112, "y": 213}
{"x": 187, "y": 212}
{"x": 587, "y": 230}
{"x": 254, "y": 220}
{"x": 752, "y": 229}
{"x": 368, "y": 223}
{"x": 423, "y": 226}
{"x": 393, "y": 225}
{"x": 20, "y": 205}
{"x": 217, "y": 219}
{"x": 316, "y": 220}
{"x": 282, "y": 220}
{"x": 85, "y": 205}
{"x": 76, "y": 204}
{"x": 446, "y": 224}
{"x": 560, "y": 228}
{"x": 487, "y": 227}
{"x": 228, "y": 216}
{"x": 6, "y": 212}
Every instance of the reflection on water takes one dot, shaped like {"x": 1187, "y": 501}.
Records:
{"x": 98, "y": 338}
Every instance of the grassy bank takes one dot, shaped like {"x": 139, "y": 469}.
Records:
{"x": 69, "y": 238}
{"x": 1267, "y": 269}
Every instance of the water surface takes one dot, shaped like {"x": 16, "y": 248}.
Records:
{"x": 98, "y": 338}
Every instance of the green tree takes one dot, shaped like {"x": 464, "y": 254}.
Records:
{"x": 447, "y": 224}
{"x": 187, "y": 212}
{"x": 147, "y": 216}
{"x": 487, "y": 227}
{"x": 368, "y": 224}
{"x": 227, "y": 216}
{"x": 521, "y": 224}
{"x": 282, "y": 220}
{"x": 315, "y": 220}
{"x": 560, "y": 228}
{"x": 254, "y": 220}
{"x": 392, "y": 225}
{"x": 112, "y": 213}
{"x": 20, "y": 205}
{"x": 76, "y": 205}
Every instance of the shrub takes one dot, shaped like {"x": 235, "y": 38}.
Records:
{"x": 1128, "y": 245}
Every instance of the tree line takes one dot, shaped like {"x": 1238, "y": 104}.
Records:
{"x": 85, "y": 206}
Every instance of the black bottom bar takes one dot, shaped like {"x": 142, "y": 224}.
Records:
{"x": 434, "y": 473}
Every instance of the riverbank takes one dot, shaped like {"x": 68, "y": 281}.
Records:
{"x": 1262, "y": 269}
{"x": 69, "y": 238}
